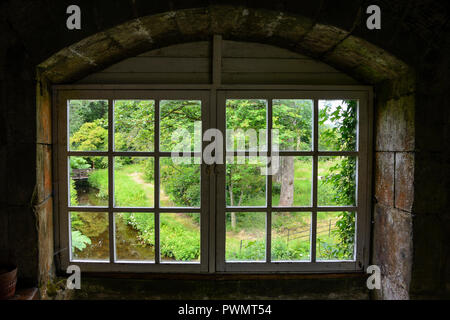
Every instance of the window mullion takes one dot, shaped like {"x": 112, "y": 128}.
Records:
{"x": 269, "y": 183}
{"x": 157, "y": 184}
{"x": 315, "y": 173}
{"x": 112, "y": 245}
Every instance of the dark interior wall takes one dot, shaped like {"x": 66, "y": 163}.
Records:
{"x": 415, "y": 31}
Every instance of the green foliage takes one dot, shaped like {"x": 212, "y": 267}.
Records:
{"x": 92, "y": 136}
{"x": 178, "y": 241}
{"x": 134, "y": 131}
{"x": 250, "y": 250}
{"x": 178, "y": 114}
{"x": 83, "y": 111}
{"x": 293, "y": 119}
{"x": 79, "y": 163}
{"x": 181, "y": 182}
{"x": 342, "y": 175}
{"x": 79, "y": 240}
{"x": 98, "y": 179}
{"x": 73, "y": 194}
{"x": 134, "y": 125}
{"x": 294, "y": 250}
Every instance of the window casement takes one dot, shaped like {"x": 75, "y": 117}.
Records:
{"x": 298, "y": 202}
{"x": 238, "y": 221}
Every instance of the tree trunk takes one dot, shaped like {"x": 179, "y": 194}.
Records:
{"x": 287, "y": 182}
{"x": 233, "y": 214}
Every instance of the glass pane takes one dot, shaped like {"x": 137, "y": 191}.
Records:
{"x": 338, "y": 122}
{"x": 335, "y": 235}
{"x": 245, "y": 182}
{"x": 133, "y": 182}
{"x": 88, "y": 125}
{"x": 246, "y": 124}
{"x": 245, "y": 236}
{"x": 89, "y": 235}
{"x": 135, "y": 236}
{"x": 291, "y": 185}
{"x": 291, "y": 236}
{"x": 180, "y": 237}
{"x": 180, "y": 182}
{"x": 293, "y": 120}
{"x": 180, "y": 125}
{"x": 337, "y": 181}
{"x": 134, "y": 125}
{"x": 88, "y": 185}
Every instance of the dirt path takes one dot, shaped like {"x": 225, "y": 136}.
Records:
{"x": 148, "y": 187}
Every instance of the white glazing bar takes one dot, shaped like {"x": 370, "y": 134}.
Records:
{"x": 112, "y": 245}
{"x": 157, "y": 186}
{"x": 269, "y": 184}
{"x": 314, "y": 183}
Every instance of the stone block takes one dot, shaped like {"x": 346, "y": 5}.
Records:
{"x": 66, "y": 66}
{"x": 98, "y": 50}
{"x": 432, "y": 112}
{"x": 395, "y": 125}
{"x": 44, "y": 214}
{"x": 392, "y": 250}
{"x": 132, "y": 36}
{"x": 162, "y": 28}
{"x": 21, "y": 173}
{"x": 20, "y": 111}
{"x": 44, "y": 172}
{"x": 22, "y": 239}
{"x": 288, "y": 29}
{"x": 432, "y": 183}
{"x": 384, "y": 178}
{"x": 321, "y": 38}
{"x": 365, "y": 61}
{"x": 228, "y": 20}
{"x": 44, "y": 111}
{"x": 404, "y": 181}
{"x": 431, "y": 248}
{"x": 200, "y": 30}
{"x": 396, "y": 88}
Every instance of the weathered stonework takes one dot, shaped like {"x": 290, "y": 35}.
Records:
{"x": 395, "y": 125}
{"x": 314, "y": 288}
{"x": 44, "y": 214}
{"x": 393, "y": 252}
{"x": 421, "y": 129}
{"x": 404, "y": 181}
{"x": 44, "y": 187}
{"x": 321, "y": 39}
{"x": 431, "y": 271}
{"x": 239, "y": 23}
{"x": 384, "y": 178}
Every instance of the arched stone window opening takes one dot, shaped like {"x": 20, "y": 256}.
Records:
{"x": 392, "y": 79}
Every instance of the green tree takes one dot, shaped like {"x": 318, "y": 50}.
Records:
{"x": 342, "y": 175}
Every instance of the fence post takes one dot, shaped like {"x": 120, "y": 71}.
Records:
{"x": 288, "y": 236}
{"x": 240, "y": 248}
{"x": 329, "y": 227}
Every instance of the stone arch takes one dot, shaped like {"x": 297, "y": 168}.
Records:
{"x": 393, "y": 80}
{"x": 336, "y": 47}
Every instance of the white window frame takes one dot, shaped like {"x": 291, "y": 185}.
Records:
{"x": 363, "y": 178}
{"x": 212, "y": 209}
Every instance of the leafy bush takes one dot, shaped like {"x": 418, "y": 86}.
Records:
{"x": 342, "y": 175}
{"x": 79, "y": 241}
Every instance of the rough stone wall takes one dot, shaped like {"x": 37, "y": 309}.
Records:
{"x": 411, "y": 215}
{"x": 431, "y": 220}
{"x": 394, "y": 186}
